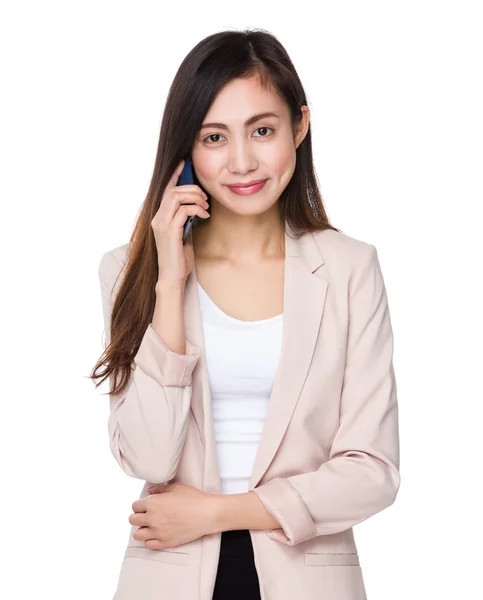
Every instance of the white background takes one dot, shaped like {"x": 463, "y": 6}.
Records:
{"x": 395, "y": 91}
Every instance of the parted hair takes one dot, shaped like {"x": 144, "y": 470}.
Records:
{"x": 215, "y": 61}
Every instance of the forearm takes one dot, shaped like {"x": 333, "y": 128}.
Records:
{"x": 168, "y": 317}
{"x": 241, "y": 511}
{"x": 148, "y": 423}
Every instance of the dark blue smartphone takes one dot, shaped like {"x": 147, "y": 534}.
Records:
{"x": 188, "y": 177}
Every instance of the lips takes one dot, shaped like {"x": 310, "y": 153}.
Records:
{"x": 248, "y": 184}
{"x": 245, "y": 190}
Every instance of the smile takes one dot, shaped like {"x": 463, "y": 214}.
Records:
{"x": 246, "y": 190}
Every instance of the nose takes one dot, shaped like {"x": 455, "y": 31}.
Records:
{"x": 241, "y": 158}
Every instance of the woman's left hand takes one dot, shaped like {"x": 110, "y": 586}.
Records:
{"x": 173, "y": 514}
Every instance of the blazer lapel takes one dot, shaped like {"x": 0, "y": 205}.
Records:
{"x": 304, "y": 299}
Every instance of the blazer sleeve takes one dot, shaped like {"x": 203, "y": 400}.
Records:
{"x": 147, "y": 425}
{"x": 361, "y": 476}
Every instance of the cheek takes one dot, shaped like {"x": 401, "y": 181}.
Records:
{"x": 282, "y": 160}
{"x": 207, "y": 166}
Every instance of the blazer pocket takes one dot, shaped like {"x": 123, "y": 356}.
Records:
{"x": 166, "y": 556}
{"x": 331, "y": 559}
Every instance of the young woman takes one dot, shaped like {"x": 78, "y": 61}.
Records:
{"x": 252, "y": 382}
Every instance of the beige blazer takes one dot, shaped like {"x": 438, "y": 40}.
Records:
{"x": 328, "y": 457}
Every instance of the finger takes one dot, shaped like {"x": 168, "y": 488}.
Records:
{"x": 154, "y": 544}
{"x": 173, "y": 181}
{"x": 167, "y": 211}
{"x": 190, "y": 187}
{"x": 182, "y": 214}
{"x": 139, "y": 506}
{"x": 143, "y": 533}
{"x": 139, "y": 519}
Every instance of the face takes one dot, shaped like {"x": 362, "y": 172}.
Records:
{"x": 230, "y": 150}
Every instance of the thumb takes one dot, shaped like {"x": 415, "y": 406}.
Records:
{"x": 173, "y": 181}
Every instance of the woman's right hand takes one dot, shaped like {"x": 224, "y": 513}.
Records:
{"x": 175, "y": 259}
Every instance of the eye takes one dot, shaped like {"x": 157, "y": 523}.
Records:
{"x": 211, "y": 136}
{"x": 258, "y": 129}
{"x": 211, "y": 143}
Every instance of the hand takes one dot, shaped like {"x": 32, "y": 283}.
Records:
{"x": 175, "y": 260}
{"x": 173, "y": 514}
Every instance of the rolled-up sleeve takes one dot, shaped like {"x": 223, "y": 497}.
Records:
{"x": 147, "y": 424}
{"x": 361, "y": 476}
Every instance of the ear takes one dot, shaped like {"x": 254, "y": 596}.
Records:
{"x": 302, "y": 125}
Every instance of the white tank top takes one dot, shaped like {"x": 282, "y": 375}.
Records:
{"x": 242, "y": 359}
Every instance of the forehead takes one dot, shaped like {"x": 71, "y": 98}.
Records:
{"x": 239, "y": 99}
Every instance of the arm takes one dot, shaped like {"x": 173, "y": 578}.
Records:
{"x": 241, "y": 511}
{"x": 147, "y": 426}
{"x": 361, "y": 476}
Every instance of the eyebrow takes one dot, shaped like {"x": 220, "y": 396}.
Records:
{"x": 249, "y": 121}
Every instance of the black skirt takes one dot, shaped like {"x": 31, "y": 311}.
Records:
{"x": 237, "y": 577}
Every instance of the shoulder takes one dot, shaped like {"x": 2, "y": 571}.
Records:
{"x": 344, "y": 251}
{"x": 111, "y": 264}
{"x": 351, "y": 264}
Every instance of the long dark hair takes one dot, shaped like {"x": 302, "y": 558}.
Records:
{"x": 211, "y": 64}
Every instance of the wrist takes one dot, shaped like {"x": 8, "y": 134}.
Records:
{"x": 163, "y": 288}
{"x": 215, "y": 512}
{"x": 231, "y": 511}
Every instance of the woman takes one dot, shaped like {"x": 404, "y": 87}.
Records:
{"x": 252, "y": 384}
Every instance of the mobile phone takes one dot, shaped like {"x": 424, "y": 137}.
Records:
{"x": 188, "y": 177}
